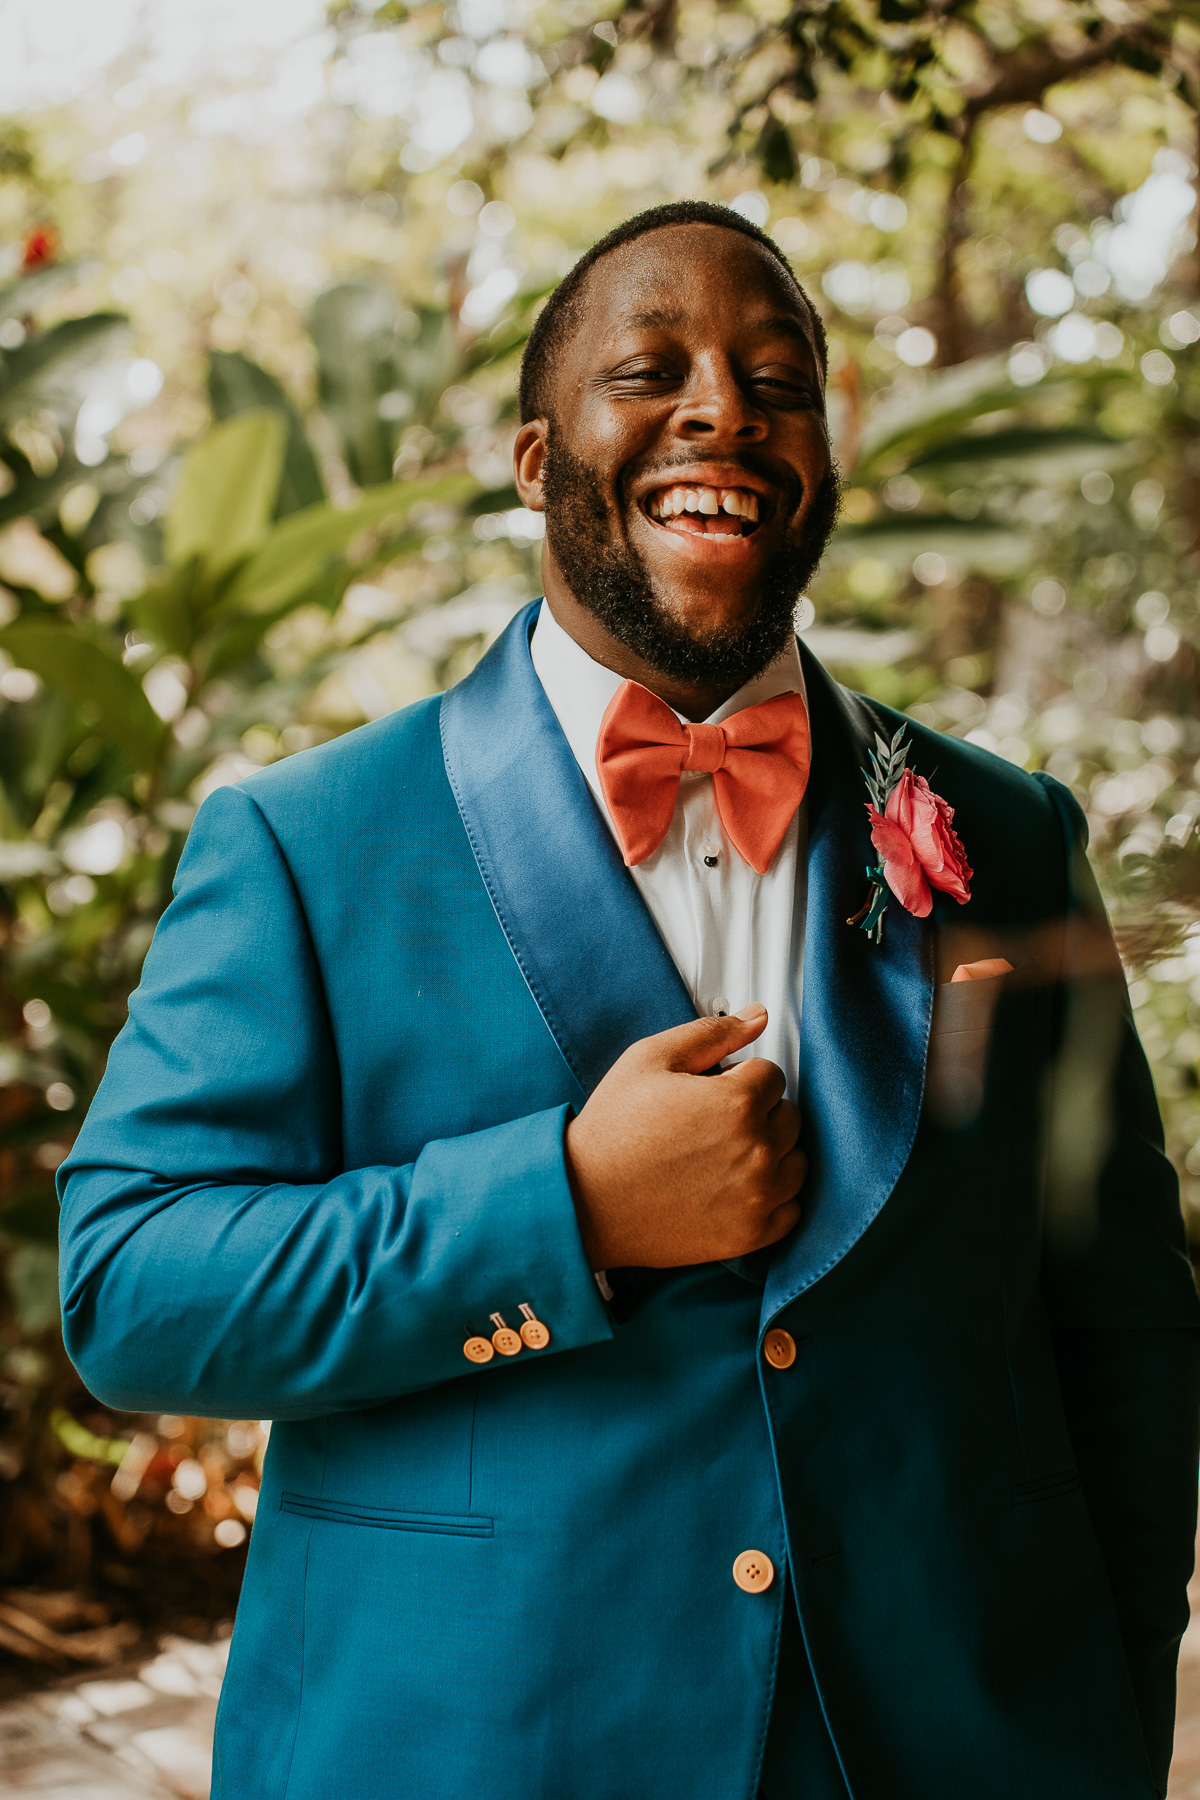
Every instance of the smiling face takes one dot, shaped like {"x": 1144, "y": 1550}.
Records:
{"x": 685, "y": 473}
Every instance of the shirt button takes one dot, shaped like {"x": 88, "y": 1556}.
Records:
{"x": 478, "y": 1350}
{"x": 779, "y": 1348}
{"x": 753, "y": 1572}
{"x": 507, "y": 1342}
{"x": 720, "y": 1007}
{"x": 711, "y": 854}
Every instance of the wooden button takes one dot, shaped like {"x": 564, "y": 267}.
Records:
{"x": 507, "y": 1341}
{"x": 753, "y": 1572}
{"x": 535, "y": 1334}
{"x": 478, "y": 1350}
{"x": 779, "y": 1348}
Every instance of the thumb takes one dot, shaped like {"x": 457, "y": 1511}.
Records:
{"x": 692, "y": 1049}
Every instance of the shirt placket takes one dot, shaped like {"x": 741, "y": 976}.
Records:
{"x": 706, "y": 853}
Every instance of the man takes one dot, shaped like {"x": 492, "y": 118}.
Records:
{"x": 673, "y": 1397}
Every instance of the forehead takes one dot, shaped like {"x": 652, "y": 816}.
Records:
{"x": 694, "y": 278}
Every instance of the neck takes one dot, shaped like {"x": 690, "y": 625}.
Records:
{"x": 694, "y": 699}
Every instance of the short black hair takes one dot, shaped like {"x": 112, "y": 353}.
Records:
{"x": 561, "y": 313}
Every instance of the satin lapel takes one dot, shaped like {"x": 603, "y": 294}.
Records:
{"x": 589, "y": 951}
{"x": 865, "y": 1021}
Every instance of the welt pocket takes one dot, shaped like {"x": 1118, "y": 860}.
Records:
{"x": 960, "y": 1009}
{"x": 1045, "y": 1487}
{"x": 386, "y": 1518}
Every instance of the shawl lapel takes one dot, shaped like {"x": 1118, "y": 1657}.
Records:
{"x": 582, "y": 937}
{"x": 865, "y": 1022}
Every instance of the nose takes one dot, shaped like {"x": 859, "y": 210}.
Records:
{"x": 716, "y": 409}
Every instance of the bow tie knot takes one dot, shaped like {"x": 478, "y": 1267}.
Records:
{"x": 758, "y": 759}
{"x": 705, "y": 749}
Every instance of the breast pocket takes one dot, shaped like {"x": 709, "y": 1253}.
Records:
{"x": 961, "y": 1033}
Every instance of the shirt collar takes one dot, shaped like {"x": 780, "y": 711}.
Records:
{"x": 579, "y": 688}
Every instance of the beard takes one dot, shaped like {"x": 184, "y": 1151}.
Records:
{"x": 612, "y": 581}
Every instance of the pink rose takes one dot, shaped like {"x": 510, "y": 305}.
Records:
{"x": 918, "y": 845}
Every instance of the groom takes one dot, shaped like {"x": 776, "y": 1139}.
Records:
{"x": 704, "y": 1240}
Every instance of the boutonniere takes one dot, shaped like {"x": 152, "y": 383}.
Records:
{"x": 912, "y": 828}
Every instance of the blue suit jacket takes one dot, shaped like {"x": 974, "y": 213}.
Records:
{"x": 329, "y": 1146}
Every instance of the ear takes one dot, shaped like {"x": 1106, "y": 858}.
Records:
{"x": 529, "y": 464}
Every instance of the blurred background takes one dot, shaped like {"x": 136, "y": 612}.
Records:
{"x": 266, "y": 267}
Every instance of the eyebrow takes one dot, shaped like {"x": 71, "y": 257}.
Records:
{"x": 788, "y": 323}
{"x": 660, "y": 318}
{"x": 648, "y": 320}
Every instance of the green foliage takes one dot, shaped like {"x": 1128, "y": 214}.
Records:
{"x": 1020, "y": 514}
{"x": 47, "y": 369}
{"x": 42, "y": 382}
{"x": 83, "y": 667}
{"x": 129, "y": 698}
{"x": 237, "y": 385}
{"x": 356, "y": 329}
{"x": 225, "y": 496}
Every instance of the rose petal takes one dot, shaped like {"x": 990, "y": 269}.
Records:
{"x": 924, "y": 818}
{"x": 901, "y": 870}
{"x": 909, "y": 886}
{"x": 888, "y": 838}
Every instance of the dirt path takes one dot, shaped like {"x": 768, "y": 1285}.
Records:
{"x": 139, "y": 1733}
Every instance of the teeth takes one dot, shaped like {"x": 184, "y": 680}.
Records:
{"x": 709, "y": 501}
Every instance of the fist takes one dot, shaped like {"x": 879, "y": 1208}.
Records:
{"x": 672, "y": 1165}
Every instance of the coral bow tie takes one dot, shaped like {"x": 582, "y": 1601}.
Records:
{"x": 758, "y": 760}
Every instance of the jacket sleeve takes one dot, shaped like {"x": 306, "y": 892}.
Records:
{"x": 1122, "y": 1301}
{"x": 217, "y": 1258}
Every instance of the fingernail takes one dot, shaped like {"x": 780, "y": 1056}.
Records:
{"x": 754, "y": 1011}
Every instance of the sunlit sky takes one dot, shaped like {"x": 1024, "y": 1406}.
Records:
{"x": 52, "y": 50}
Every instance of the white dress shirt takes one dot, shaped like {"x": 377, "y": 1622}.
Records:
{"x": 734, "y": 935}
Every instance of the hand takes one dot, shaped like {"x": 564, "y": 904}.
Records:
{"x": 670, "y": 1167}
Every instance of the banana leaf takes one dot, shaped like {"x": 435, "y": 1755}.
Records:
{"x": 223, "y": 502}
{"x": 299, "y": 549}
{"x": 1062, "y": 450}
{"x": 49, "y": 369}
{"x": 360, "y": 357}
{"x": 240, "y": 636}
{"x": 166, "y": 610}
{"x": 901, "y": 430}
{"x": 432, "y": 361}
{"x": 37, "y": 496}
{"x": 978, "y": 543}
{"x": 93, "y": 677}
{"x": 237, "y": 385}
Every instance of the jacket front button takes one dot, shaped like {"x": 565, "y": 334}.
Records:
{"x": 477, "y": 1349}
{"x": 779, "y": 1348}
{"x": 753, "y": 1572}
